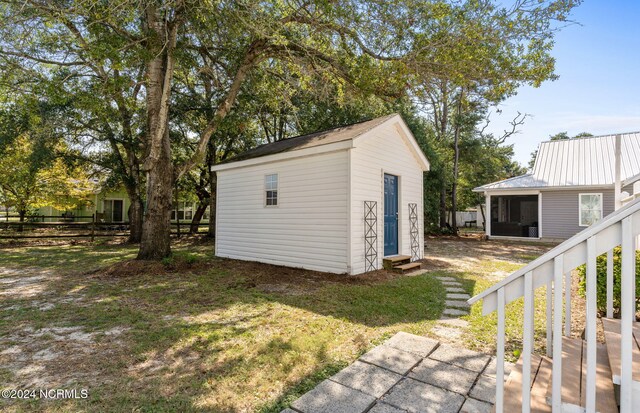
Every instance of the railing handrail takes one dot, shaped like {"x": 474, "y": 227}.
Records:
{"x": 582, "y": 236}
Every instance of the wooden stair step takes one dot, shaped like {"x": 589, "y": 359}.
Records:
{"x": 402, "y": 268}
{"x": 571, "y": 372}
{"x": 605, "y": 392}
{"x": 389, "y": 263}
{"x": 397, "y": 258}
{"x": 574, "y": 377}
{"x": 540, "y": 377}
{"x": 613, "y": 339}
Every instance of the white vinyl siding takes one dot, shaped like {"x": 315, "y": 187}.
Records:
{"x": 590, "y": 209}
{"x": 308, "y": 229}
{"x": 383, "y": 150}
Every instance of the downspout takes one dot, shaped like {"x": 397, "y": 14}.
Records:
{"x": 618, "y": 183}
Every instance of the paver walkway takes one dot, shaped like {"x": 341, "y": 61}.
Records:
{"x": 407, "y": 373}
{"x": 450, "y": 327}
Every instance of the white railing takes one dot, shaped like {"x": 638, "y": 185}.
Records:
{"x": 617, "y": 229}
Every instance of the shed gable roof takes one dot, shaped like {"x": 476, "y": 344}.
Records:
{"x": 337, "y": 138}
{"x": 580, "y": 162}
{"x": 311, "y": 140}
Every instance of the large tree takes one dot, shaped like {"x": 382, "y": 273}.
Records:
{"x": 380, "y": 46}
{"x": 35, "y": 167}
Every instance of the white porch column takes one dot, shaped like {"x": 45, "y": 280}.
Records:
{"x": 618, "y": 183}
{"x": 487, "y": 214}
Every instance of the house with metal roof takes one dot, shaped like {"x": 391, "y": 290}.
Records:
{"x": 346, "y": 200}
{"x": 574, "y": 183}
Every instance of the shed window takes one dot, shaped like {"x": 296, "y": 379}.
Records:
{"x": 590, "y": 209}
{"x": 271, "y": 189}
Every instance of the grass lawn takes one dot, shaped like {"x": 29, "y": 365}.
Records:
{"x": 193, "y": 333}
{"x": 479, "y": 265}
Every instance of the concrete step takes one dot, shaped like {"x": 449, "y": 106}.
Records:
{"x": 403, "y": 268}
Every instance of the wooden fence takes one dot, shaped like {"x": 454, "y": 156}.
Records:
{"x": 36, "y": 226}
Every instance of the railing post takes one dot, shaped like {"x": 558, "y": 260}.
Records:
{"x": 628, "y": 312}
{"x": 610, "y": 284}
{"x": 527, "y": 342}
{"x": 590, "y": 334}
{"x": 556, "y": 395}
{"x": 567, "y": 304}
{"x": 500, "y": 354}
{"x": 549, "y": 303}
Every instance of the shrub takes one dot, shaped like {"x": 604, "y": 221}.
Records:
{"x": 602, "y": 280}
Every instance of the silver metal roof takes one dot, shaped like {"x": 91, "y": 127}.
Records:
{"x": 578, "y": 162}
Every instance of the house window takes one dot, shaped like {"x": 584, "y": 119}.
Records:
{"x": 271, "y": 189}
{"x": 113, "y": 210}
{"x": 590, "y": 206}
{"x": 184, "y": 209}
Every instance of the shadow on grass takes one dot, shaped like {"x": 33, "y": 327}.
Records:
{"x": 297, "y": 389}
{"x": 215, "y": 336}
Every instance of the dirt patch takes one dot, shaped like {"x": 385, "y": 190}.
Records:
{"x": 55, "y": 356}
{"x": 242, "y": 274}
{"x": 467, "y": 252}
{"x": 22, "y": 283}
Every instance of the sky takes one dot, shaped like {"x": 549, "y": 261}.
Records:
{"x": 598, "y": 91}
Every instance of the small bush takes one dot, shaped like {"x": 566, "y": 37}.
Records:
{"x": 602, "y": 280}
{"x": 168, "y": 261}
{"x": 177, "y": 259}
{"x": 191, "y": 258}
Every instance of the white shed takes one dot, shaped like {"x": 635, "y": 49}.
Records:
{"x": 337, "y": 201}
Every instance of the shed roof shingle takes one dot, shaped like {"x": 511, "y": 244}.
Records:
{"x": 325, "y": 137}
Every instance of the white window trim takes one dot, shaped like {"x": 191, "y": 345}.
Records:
{"x": 184, "y": 207}
{"x": 264, "y": 190}
{"x": 580, "y": 224}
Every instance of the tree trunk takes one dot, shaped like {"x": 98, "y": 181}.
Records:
{"x": 156, "y": 228}
{"x": 456, "y": 161}
{"x": 135, "y": 214}
{"x": 443, "y": 206}
{"x": 21, "y": 214}
{"x": 197, "y": 217}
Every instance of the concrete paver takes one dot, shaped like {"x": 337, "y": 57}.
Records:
{"x": 470, "y": 360}
{"x": 367, "y": 378}
{"x": 408, "y": 373}
{"x": 415, "y": 396}
{"x": 391, "y": 358}
{"x": 444, "y": 375}
{"x": 331, "y": 397}
{"x": 411, "y": 343}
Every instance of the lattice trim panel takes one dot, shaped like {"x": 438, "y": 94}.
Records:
{"x": 414, "y": 232}
{"x": 370, "y": 236}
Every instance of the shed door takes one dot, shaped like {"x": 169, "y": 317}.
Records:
{"x": 390, "y": 215}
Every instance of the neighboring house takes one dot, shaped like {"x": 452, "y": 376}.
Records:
{"x": 113, "y": 206}
{"x": 573, "y": 184}
{"x": 337, "y": 201}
